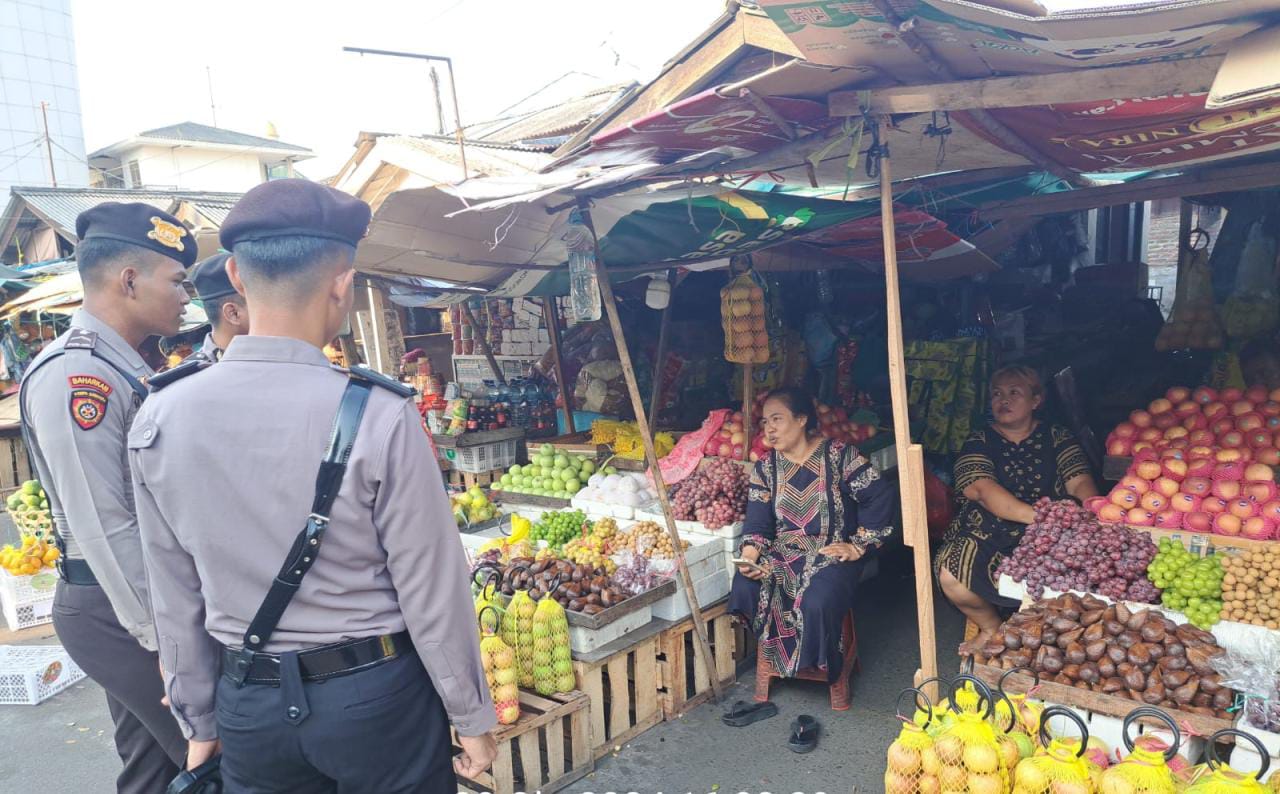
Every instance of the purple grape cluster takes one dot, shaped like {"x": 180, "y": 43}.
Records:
{"x": 1067, "y": 548}
{"x": 716, "y": 494}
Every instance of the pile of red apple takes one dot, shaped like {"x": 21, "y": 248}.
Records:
{"x": 833, "y": 423}
{"x": 1226, "y": 426}
{"x": 1200, "y": 495}
{"x": 729, "y": 441}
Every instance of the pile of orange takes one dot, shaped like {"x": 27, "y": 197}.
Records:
{"x": 33, "y": 555}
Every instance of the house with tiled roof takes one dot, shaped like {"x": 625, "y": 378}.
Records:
{"x": 192, "y": 156}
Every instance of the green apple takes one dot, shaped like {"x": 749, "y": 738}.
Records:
{"x": 547, "y": 449}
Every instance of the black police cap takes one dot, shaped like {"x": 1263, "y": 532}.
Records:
{"x": 295, "y": 207}
{"x": 210, "y": 278}
{"x": 139, "y": 224}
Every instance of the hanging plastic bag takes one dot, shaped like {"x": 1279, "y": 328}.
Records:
{"x": 1253, "y": 308}
{"x": 1061, "y": 767}
{"x": 969, "y": 758}
{"x": 742, "y": 313}
{"x": 517, "y": 623}
{"x": 552, "y": 666}
{"x": 499, "y": 669}
{"x": 1145, "y": 770}
{"x": 911, "y": 764}
{"x": 1193, "y": 322}
{"x": 1222, "y": 779}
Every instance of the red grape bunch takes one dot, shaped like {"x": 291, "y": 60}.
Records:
{"x": 715, "y": 495}
{"x": 1067, "y": 548}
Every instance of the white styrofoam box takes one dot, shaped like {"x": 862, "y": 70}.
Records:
{"x": 1191, "y": 747}
{"x": 1107, "y": 729}
{"x": 733, "y": 530}
{"x": 596, "y": 509}
{"x": 709, "y": 589}
{"x": 30, "y": 674}
{"x": 582, "y": 639}
{"x": 27, "y": 600}
{"x": 1245, "y": 758}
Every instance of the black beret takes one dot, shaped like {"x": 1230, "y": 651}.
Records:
{"x": 210, "y": 278}
{"x": 295, "y": 207}
{"x": 140, "y": 224}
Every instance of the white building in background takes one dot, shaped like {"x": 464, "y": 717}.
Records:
{"x": 191, "y": 156}
{"x": 38, "y": 64}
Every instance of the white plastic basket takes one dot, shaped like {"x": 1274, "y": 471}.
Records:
{"x": 30, "y": 674}
{"x": 27, "y": 600}
{"x": 483, "y": 458}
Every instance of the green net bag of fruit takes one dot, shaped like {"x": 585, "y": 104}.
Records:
{"x": 517, "y": 624}
{"x": 969, "y": 757}
{"x": 499, "y": 669}
{"x": 742, "y": 313}
{"x": 1060, "y": 768}
{"x": 933, "y": 718}
{"x": 911, "y": 764}
{"x": 1222, "y": 779}
{"x": 1145, "y": 770}
{"x": 552, "y": 666}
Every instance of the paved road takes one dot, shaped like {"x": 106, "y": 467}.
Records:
{"x": 64, "y": 744}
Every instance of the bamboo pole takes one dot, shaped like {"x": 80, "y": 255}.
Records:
{"x": 915, "y": 529}
{"x": 747, "y": 386}
{"x": 551, "y": 316}
{"x": 664, "y": 328}
{"x": 483, "y": 344}
{"x": 646, "y": 436}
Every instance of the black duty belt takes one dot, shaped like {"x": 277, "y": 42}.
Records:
{"x": 325, "y": 661}
{"x": 76, "y": 572}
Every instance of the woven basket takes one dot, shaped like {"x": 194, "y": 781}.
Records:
{"x": 33, "y": 521}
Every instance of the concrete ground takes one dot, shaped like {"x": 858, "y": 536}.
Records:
{"x": 64, "y": 744}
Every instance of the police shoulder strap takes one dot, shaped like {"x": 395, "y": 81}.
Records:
{"x": 170, "y": 376}
{"x": 306, "y": 546}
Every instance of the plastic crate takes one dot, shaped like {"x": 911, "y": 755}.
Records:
{"x": 27, "y": 600}
{"x": 483, "y": 458}
{"x": 30, "y": 674}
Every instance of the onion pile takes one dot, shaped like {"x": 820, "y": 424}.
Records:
{"x": 715, "y": 495}
{"x": 1067, "y": 548}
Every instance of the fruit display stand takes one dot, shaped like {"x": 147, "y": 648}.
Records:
{"x": 683, "y": 675}
{"x": 622, "y": 682}
{"x": 31, "y": 674}
{"x": 548, "y": 748}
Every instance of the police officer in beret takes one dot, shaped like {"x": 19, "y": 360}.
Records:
{"x": 226, "y": 309}
{"x": 326, "y": 643}
{"x": 78, "y": 399}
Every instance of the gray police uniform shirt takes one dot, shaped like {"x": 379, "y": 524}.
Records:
{"x": 225, "y": 463}
{"x": 209, "y": 350}
{"x": 79, "y": 410}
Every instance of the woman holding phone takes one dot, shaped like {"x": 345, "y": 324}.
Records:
{"x": 815, "y": 508}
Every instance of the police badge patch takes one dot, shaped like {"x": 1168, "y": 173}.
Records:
{"x": 88, "y": 400}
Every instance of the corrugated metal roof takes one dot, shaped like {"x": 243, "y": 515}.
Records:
{"x": 215, "y": 211}
{"x": 560, "y": 120}
{"x": 61, "y": 206}
{"x": 488, "y": 159}
{"x": 202, "y": 133}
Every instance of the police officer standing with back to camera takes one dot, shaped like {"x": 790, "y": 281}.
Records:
{"x": 78, "y": 399}
{"x": 226, "y": 309}
{"x": 320, "y": 626}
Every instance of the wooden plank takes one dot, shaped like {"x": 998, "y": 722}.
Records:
{"x": 746, "y": 410}
{"x": 530, "y": 759}
{"x": 1078, "y": 85}
{"x": 619, "y": 696}
{"x": 723, "y": 629}
{"x": 592, "y": 683}
{"x": 504, "y": 776}
{"x": 677, "y": 680}
{"x": 659, "y": 357}
{"x": 555, "y": 749}
{"x": 579, "y": 739}
{"x": 551, "y": 317}
{"x": 483, "y": 344}
{"x": 646, "y": 680}
{"x": 1206, "y": 539}
{"x": 700, "y": 677}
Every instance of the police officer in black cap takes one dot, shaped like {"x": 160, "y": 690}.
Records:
{"x": 226, "y": 309}
{"x": 342, "y": 678}
{"x": 78, "y": 400}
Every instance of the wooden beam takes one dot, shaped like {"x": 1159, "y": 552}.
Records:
{"x": 664, "y": 329}
{"x": 646, "y": 436}
{"x": 551, "y": 316}
{"x": 1080, "y": 85}
{"x": 483, "y": 344}
{"x": 1195, "y": 183}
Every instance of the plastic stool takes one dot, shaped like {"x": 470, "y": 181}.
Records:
{"x": 839, "y": 690}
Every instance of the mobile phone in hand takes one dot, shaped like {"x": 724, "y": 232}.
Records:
{"x": 749, "y": 564}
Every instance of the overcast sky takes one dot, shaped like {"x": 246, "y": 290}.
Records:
{"x": 142, "y": 62}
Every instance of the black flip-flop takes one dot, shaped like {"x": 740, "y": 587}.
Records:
{"x": 804, "y": 734}
{"x": 743, "y": 713}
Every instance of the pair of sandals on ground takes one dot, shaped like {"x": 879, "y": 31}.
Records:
{"x": 804, "y": 728}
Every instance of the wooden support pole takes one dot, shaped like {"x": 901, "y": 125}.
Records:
{"x": 646, "y": 436}
{"x": 747, "y": 386}
{"x": 664, "y": 328}
{"x": 483, "y": 344}
{"x": 551, "y": 316}
{"x": 915, "y": 529}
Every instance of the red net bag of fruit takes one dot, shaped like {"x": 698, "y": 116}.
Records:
{"x": 1222, "y": 779}
{"x": 1145, "y": 770}
{"x": 742, "y": 313}
{"x": 1060, "y": 768}
{"x": 912, "y": 765}
{"x": 969, "y": 756}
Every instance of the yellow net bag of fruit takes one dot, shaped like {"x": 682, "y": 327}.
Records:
{"x": 1222, "y": 779}
{"x": 1145, "y": 770}
{"x": 742, "y": 313}
{"x": 1060, "y": 768}
{"x": 1015, "y": 743}
{"x": 552, "y": 667}
{"x": 1025, "y": 711}
{"x": 911, "y": 765}
{"x": 499, "y": 670}
{"x": 969, "y": 754}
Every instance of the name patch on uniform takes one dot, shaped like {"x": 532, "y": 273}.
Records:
{"x": 88, "y": 400}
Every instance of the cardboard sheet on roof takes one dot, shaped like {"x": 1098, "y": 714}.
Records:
{"x": 1251, "y": 70}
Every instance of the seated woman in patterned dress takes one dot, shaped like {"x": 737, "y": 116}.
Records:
{"x": 1000, "y": 473}
{"x": 815, "y": 508}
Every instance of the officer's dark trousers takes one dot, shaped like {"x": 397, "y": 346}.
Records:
{"x": 377, "y": 731}
{"x": 147, "y": 736}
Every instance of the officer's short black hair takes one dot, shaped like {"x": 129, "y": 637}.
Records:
{"x": 213, "y": 307}
{"x": 277, "y": 259}
{"x": 98, "y": 256}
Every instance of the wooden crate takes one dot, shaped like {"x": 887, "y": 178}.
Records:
{"x": 546, "y": 750}
{"x": 467, "y": 480}
{"x": 621, "y": 680}
{"x": 683, "y": 673}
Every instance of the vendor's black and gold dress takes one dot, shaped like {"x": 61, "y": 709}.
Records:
{"x": 1040, "y": 465}
{"x": 794, "y": 509}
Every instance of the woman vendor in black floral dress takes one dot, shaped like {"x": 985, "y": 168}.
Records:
{"x": 814, "y": 509}
{"x": 1000, "y": 473}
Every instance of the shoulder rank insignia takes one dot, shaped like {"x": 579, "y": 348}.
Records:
{"x": 378, "y": 379}
{"x": 89, "y": 395}
{"x": 81, "y": 339}
{"x": 167, "y": 234}
{"x": 189, "y": 367}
